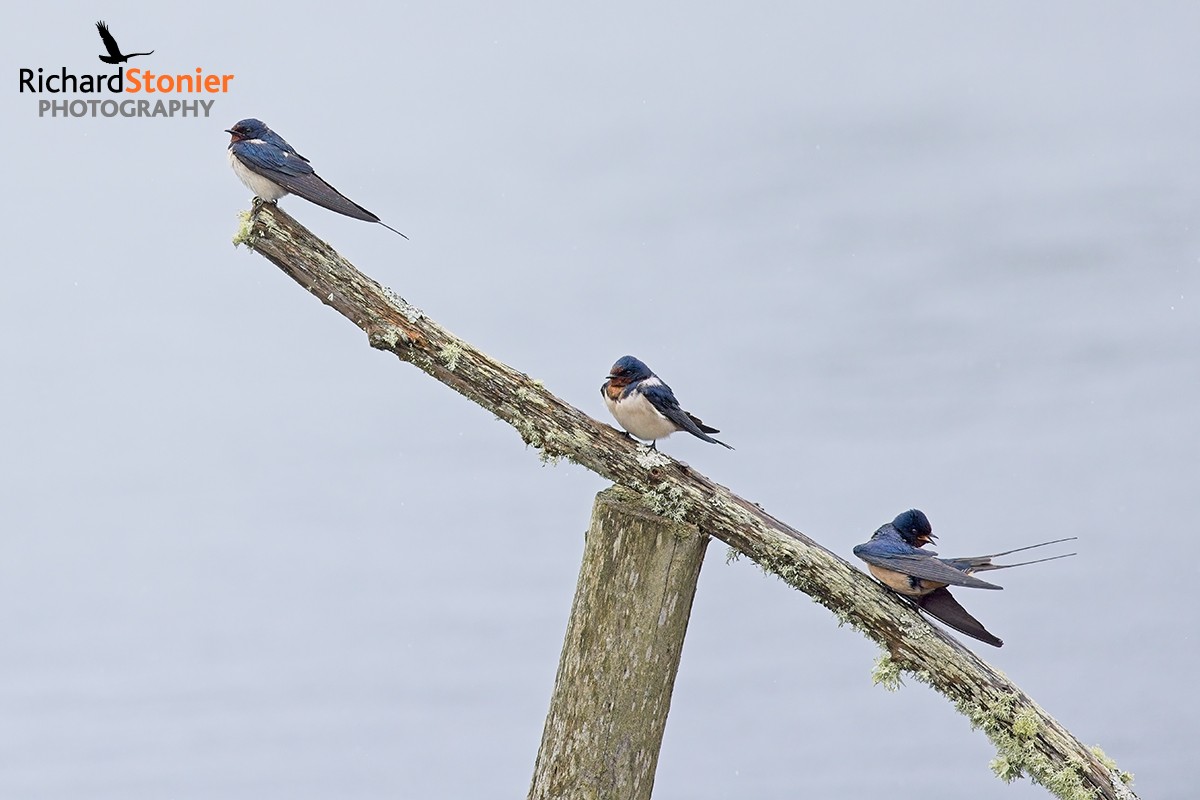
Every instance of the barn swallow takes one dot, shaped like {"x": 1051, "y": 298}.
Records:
{"x": 646, "y": 407}
{"x": 895, "y": 557}
{"x": 271, "y": 168}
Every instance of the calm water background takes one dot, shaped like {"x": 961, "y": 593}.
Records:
{"x": 929, "y": 256}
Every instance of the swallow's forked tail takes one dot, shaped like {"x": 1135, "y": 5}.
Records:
{"x": 984, "y": 563}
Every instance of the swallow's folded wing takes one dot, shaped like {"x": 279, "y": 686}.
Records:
{"x": 918, "y": 565}
{"x": 292, "y": 171}
{"x": 663, "y": 399}
{"x": 314, "y": 189}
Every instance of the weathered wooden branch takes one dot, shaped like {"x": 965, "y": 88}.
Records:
{"x": 620, "y": 654}
{"x": 1029, "y": 741}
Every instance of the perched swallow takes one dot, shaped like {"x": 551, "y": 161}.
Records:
{"x": 271, "y": 168}
{"x": 115, "y": 56}
{"x": 646, "y": 407}
{"x": 895, "y": 557}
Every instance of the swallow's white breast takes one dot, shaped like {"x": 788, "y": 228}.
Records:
{"x": 262, "y": 187}
{"x": 636, "y": 415}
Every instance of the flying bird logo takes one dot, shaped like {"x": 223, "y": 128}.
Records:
{"x": 115, "y": 56}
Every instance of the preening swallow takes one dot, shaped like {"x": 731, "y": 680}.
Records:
{"x": 646, "y": 407}
{"x": 115, "y": 56}
{"x": 271, "y": 168}
{"x": 895, "y": 556}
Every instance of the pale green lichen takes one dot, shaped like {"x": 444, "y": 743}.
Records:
{"x": 992, "y": 718}
{"x": 798, "y": 571}
{"x": 717, "y": 503}
{"x": 1026, "y": 725}
{"x": 1004, "y": 770}
{"x": 1066, "y": 783}
{"x": 528, "y": 432}
{"x": 914, "y": 628}
{"x": 245, "y": 231}
{"x": 1111, "y": 765}
{"x": 410, "y": 312}
{"x": 887, "y": 673}
{"x": 547, "y": 443}
{"x": 449, "y": 354}
{"x": 1015, "y": 736}
{"x": 529, "y": 396}
{"x": 1102, "y": 757}
{"x": 732, "y": 555}
{"x": 843, "y": 617}
{"x": 388, "y": 338}
{"x": 784, "y": 569}
{"x": 650, "y": 458}
{"x": 666, "y": 500}
{"x": 803, "y": 572}
{"x": 923, "y": 676}
{"x": 550, "y": 454}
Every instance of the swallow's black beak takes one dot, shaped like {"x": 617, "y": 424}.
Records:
{"x": 231, "y": 133}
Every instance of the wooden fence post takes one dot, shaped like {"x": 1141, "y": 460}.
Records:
{"x": 620, "y": 654}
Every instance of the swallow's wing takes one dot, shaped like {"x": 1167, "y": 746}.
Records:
{"x": 314, "y": 189}
{"x": 941, "y": 605}
{"x": 916, "y": 563}
{"x": 663, "y": 400}
{"x": 292, "y": 171}
{"x": 271, "y": 137}
{"x": 110, "y": 44}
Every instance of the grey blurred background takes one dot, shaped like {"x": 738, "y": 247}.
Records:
{"x": 930, "y": 255}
